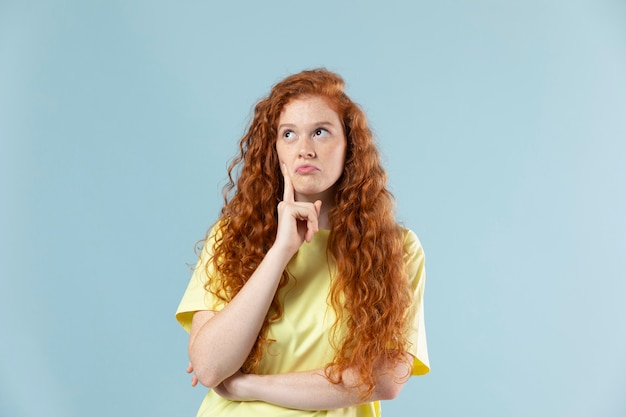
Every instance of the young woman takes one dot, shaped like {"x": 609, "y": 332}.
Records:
{"x": 307, "y": 297}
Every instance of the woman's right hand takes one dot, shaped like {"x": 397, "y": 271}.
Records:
{"x": 297, "y": 220}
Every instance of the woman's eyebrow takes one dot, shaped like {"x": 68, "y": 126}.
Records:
{"x": 284, "y": 125}
{"x": 316, "y": 124}
{"x": 323, "y": 124}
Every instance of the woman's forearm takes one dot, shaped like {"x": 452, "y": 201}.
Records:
{"x": 302, "y": 390}
{"x": 220, "y": 342}
{"x": 311, "y": 390}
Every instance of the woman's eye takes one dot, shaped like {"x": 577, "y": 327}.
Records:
{"x": 321, "y": 132}
{"x": 289, "y": 134}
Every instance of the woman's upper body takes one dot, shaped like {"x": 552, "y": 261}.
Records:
{"x": 302, "y": 335}
{"x": 282, "y": 313}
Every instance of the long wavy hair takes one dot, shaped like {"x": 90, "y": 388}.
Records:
{"x": 370, "y": 293}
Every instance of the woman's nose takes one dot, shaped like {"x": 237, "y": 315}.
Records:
{"x": 306, "y": 149}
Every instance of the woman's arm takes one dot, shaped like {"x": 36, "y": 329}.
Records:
{"x": 311, "y": 390}
{"x": 220, "y": 342}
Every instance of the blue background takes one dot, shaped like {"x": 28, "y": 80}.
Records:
{"x": 503, "y": 129}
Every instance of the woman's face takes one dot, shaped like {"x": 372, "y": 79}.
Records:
{"x": 311, "y": 145}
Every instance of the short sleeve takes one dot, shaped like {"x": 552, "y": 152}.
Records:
{"x": 414, "y": 261}
{"x": 196, "y": 297}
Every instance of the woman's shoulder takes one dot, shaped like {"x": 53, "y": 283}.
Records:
{"x": 410, "y": 239}
{"x": 215, "y": 231}
{"x": 413, "y": 253}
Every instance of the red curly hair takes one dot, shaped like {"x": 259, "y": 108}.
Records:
{"x": 370, "y": 292}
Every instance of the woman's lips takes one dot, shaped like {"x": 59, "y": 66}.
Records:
{"x": 306, "y": 169}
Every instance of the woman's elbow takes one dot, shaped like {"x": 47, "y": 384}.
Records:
{"x": 390, "y": 382}
{"x": 208, "y": 378}
{"x": 207, "y": 373}
{"x": 388, "y": 389}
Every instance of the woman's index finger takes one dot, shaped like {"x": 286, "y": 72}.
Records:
{"x": 288, "y": 193}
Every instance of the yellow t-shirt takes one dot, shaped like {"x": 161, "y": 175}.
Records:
{"x": 302, "y": 333}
